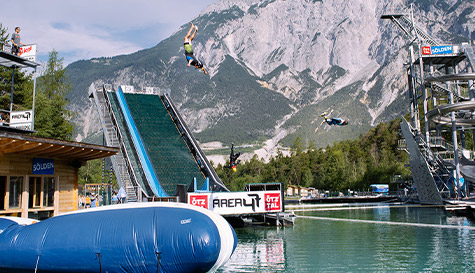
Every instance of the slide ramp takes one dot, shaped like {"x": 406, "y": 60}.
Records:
{"x": 162, "y": 149}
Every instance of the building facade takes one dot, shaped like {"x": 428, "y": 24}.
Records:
{"x": 39, "y": 176}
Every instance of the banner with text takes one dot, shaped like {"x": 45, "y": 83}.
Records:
{"x": 28, "y": 52}
{"x": 22, "y": 119}
{"x": 439, "y": 50}
{"x": 43, "y": 166}
{"x": 228, "y": 203}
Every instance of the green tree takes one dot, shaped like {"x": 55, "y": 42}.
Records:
{"x": 93, "y": 173}
{"x": 352, "y": 164}
{"x": 3, "y": 34}
{"x": 51, "y": 115}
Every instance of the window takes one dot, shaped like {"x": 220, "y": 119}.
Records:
{"x": 16, "y": 188}
{"x": 48, "y": 191}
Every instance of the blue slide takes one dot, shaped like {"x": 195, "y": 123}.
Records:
{"x": 138, "y": 143}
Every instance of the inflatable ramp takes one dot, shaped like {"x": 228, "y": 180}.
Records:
{"x": 159, "y": 152}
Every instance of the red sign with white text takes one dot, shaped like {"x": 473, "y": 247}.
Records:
{"x": 426, "y": 50}
{"x": 272, "y": 201}
{"x": 199, "y": 201}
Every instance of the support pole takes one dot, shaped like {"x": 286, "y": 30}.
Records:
{"x": 11, "y": 101}
{"x": 456, "y": 153}
{"x": 34, "y": 95}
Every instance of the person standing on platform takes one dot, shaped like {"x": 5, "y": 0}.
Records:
{"x": 16, "y": 43}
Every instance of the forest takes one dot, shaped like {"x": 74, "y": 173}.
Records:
{"x": 352, "y": 164}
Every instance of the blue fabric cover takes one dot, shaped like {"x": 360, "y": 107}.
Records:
{"x": 127, "y": 240}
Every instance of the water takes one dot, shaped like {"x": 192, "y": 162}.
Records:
{"x": 359, "y": 238}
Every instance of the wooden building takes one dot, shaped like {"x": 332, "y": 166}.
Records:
{"x": 39, "y": 176}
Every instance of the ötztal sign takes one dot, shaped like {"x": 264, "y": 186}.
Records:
{"x": 227, "y": 203}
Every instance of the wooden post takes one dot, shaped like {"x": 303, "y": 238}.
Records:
{"x": 56, "y": 196}
{"x": 25, "y": 197}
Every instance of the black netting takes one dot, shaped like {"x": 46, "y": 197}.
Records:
{"x": 128, "y": 143}
{"x": 170, "y": 156}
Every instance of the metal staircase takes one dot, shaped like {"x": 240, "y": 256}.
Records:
{"x": 120, "y": 162}
{"x": 468, "y": 50}
{"x": 411, "y": 31}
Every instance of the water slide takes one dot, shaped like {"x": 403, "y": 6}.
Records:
{"x": 162, "y": 148}
{"x": 439, "y": 115}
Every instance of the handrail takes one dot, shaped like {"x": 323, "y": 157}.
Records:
{"x": 210, "y": 170}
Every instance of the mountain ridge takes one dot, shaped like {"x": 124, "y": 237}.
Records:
{"x": 274, "y": 66}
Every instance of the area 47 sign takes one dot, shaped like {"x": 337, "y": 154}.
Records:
{"x": 248, "y": 202}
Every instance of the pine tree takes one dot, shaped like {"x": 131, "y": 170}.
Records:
{"x": 51, "y": 115}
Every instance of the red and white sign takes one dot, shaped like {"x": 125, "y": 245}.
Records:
{"x": 248, "y": 202}
{"x": 28, "y": 52}
{"x": 426, "y": 50}
{"x": 272, "y": 201}
{"x": 198, "y": 200}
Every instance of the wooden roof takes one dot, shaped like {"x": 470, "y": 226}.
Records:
{"x": 14, "y": 143}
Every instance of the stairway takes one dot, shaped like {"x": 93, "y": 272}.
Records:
{"x": 122, "y": 170}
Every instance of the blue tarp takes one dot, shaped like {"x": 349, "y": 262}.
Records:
{"x": 121, "y": 238}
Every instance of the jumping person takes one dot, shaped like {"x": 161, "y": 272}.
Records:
{"x": 233, "y": 162}
{"x": 16, "y": 44}
{"x": 335, "y": 121}
{"x": 190, "y": 58}
{"x": 331, "y": 121}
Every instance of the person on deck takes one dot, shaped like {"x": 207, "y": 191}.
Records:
{"x": 16, "y": 44}
{"x": 190, "y": 58}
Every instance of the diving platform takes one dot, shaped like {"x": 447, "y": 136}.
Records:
{"x": 441, "y": 95}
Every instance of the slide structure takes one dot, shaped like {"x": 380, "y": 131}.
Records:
{"x": 159, "y": 147}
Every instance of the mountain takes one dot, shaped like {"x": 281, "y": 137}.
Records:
{"x": 275, "y": 65}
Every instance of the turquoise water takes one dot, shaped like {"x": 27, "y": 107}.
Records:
{"x": 359, "y": 238}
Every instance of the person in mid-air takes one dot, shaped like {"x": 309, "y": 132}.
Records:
{"x": 336, "y": 121}
{"x": 190, "y": 58}
{"x": 331, "y": 120}
{"x": 233, "y": 162}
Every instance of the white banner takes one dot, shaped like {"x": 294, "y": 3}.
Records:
{"x": 228, "y": 203}
{"x": 22, "y": 119}
{"x": 28, "y": 52}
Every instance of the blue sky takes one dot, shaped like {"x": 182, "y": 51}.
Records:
{"x": 83, "y": 29}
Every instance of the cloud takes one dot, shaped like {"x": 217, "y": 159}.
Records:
{"x": 86, "y": 29}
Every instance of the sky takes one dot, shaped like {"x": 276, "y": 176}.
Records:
{"x": 84, "y": 29}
